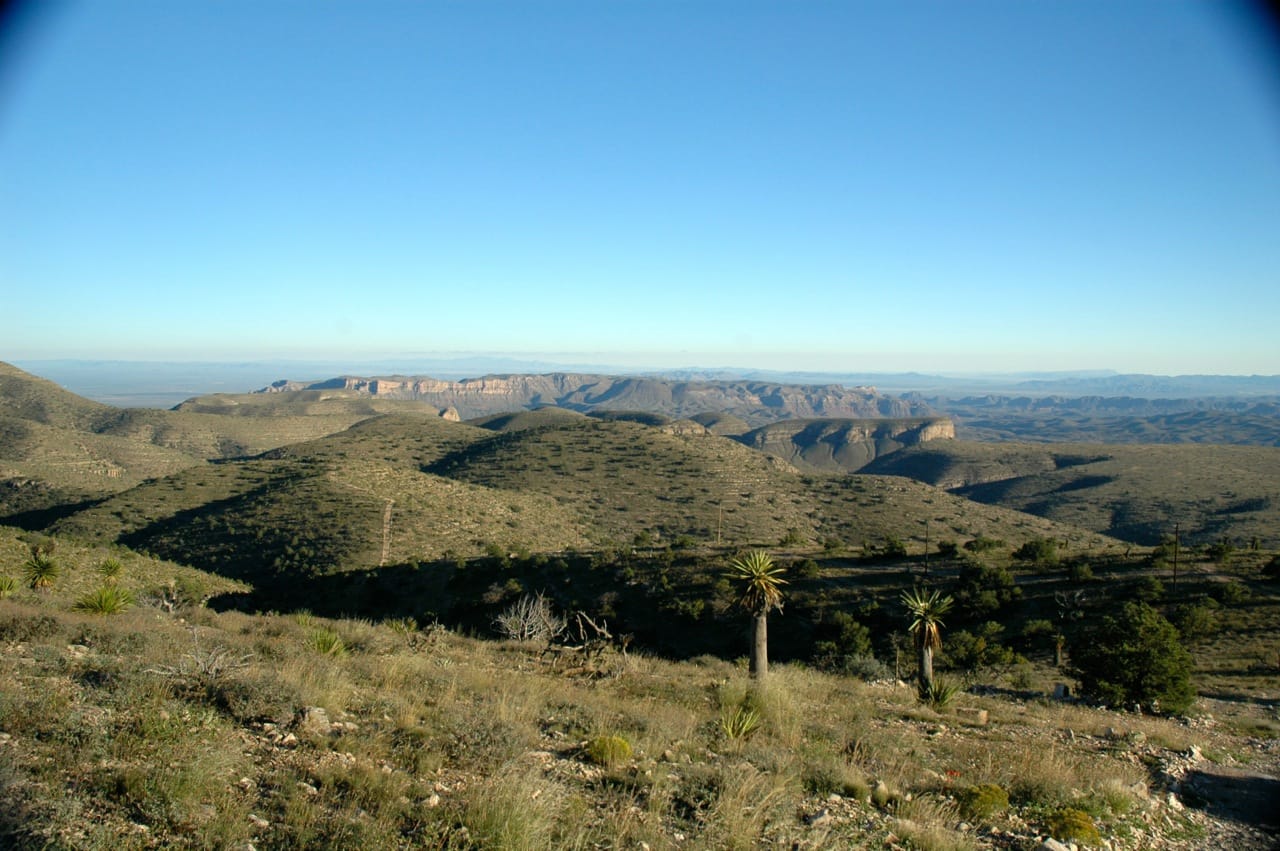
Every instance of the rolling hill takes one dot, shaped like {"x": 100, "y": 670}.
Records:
{"x": 1133, "y": 492}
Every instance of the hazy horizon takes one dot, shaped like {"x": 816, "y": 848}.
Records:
{"x": 870, "y": 187}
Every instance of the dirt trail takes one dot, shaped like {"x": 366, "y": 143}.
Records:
{"x": 386, "y": 533}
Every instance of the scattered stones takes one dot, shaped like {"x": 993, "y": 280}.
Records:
{"x": 1051, "y": 844}
{"x": 314, "y": 721}
{"x": 976, "y": 717}
{"x": 258, "y": 821}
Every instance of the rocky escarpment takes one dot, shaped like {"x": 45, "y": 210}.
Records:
{"x": 755, "y": 402}
{"x": 844, "y": 444}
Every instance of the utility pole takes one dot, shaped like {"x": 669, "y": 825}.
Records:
{"x": 926, "y": 547}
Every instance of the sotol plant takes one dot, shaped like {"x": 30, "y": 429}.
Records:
{"x": 107, "y": 600}
{"x": 41, "y": 571}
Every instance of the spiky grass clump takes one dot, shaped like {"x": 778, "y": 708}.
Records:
{"x": 107, "y": 600}
{"x": 7, "y": 586}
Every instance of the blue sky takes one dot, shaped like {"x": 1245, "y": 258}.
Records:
{"x": 820, "y": 185}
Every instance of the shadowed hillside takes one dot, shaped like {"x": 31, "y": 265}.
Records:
{"x": 1136, "y": 493}
{"x": 843, "y": 445}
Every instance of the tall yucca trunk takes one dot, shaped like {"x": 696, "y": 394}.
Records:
{"x": 760, "y": 647}
{"x": 926, "y": 668}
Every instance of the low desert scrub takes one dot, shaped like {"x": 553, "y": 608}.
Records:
{"x": 1070, "y": 824}
{"x": 983, "y": 801}
{"x": 749, "y": 804}
{"x": 7, "y": 586}
{"x": 608, "y": 750}
{"x": 927, "y": 822}
{"x": 828, "y": 774}
{"x": 514, "y": 810}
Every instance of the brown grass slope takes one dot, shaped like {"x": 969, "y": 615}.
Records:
{"x": 195, "y": 729}
{"x": 1135, "y": 493}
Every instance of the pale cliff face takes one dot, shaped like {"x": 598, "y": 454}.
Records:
{"x": 755, "y": 402}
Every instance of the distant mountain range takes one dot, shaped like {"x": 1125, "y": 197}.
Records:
{"x": 755, "y": 402}
{"x": 165, "y": 384}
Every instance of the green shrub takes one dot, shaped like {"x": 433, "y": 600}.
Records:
{"x": 982, "y": 544}
{"x": 1135, "y": 657}
{"x": 808, "y": 569}
{"x": 1079, "y": 571}
{"x": 107, "y": 600}
{"x": 1220, "y": 551}
{"x": 1232, "y": 593}
{"x": 1073, "y": 825}
{"x": 608, "y": 750}
{"x": 1196, "y": 621}
{"x": 984, "y": 801}
{"x": 1148, "y": 589}
{"x": 7, "y": 586}
{"x": 894, "y": 547}
{"x": 1038, "y": 551}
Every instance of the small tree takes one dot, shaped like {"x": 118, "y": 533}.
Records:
{"x": 1135, "y": 657}
{"x": 531, "y": 618}
{"x": 1038, "y": 551}
{"x": 926, "y": 611}
{"x": 761, "y": 592}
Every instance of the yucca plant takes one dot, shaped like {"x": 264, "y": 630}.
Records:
{"x": 327, "y": 641}
{"x": 107, "y": 600}
{"x": 739, "y": 723}
{"x": 42, "y": 571}
{"x": 941, "y": 694}
{"x": 762, "y": 590}
{"x": 110, "y": 570}
{"x": 926, "y": 611}
{"x": 7, "y": 586}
